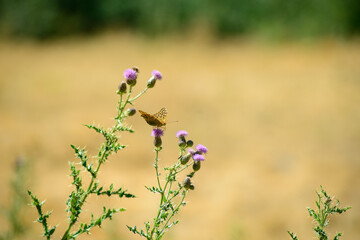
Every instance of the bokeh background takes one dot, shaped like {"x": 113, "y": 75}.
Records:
{"x": 272, "y": 88}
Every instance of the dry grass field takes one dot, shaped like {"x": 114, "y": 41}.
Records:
{"x": 279, "y": 120}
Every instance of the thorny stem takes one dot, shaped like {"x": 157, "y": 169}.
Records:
{"x": 157, "y": 168}
{"x": 119, "y": 107}
{"x": 122, "y": 107}
{"x": 172, "y": 214}
{"x": 165, "y": 195}
{"x": 161, "y": 192}
{"x": 86, "y": 194}
{"x": 169, "y": 190}
{"x": 66, "y": 234}
{"x": 321, "y": 214}
{"x": 101, "y": 159}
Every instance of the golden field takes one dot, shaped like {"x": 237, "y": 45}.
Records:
{"x": 279, "y": 120}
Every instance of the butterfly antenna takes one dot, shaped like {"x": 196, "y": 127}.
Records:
{"x": 172, "y": 122}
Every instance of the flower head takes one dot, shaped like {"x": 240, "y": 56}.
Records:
{"x": 198, "y": 157}
{"x": 157, "y": 132}
{"x": 181, "y": 133}
{"x": 191, "y": 151}
{"x": 156, "y": 74}
{"x": 201, "y": 148}
{"x": 130, "y": 74}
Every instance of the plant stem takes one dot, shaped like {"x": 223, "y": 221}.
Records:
{"x": 156, "y": 167}
{"x": 172, "y": 214}
{"x": 101, "y": 159}
{"x": 119, "y": 107}
{"x": 122, "y": 107}
{"x": 84, "y": 196}
{"x": 185, "y": 167}
{"x": 168, "y": 194}
{"x": 165, "y": 192}
{"x": 161, "y": 192}
{"x": 136, "y": 97}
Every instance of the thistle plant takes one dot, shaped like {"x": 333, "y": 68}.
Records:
{"x": 17, "y": 226}
{"x": 91, "y": 166}
{"x": 325, "y": 206}
{"x": 170, "y": 190}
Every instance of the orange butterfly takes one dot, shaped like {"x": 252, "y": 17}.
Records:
{"x": 157, "y": 120}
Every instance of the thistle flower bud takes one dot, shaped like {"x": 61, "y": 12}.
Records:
{"x": 157, "y": 142}
{"x": 130, "y": 112}
{"x": 198, "y": 157}
{"x": 130, "y": 76}
{"x": 151, "y": 82}
{"x": 196, "y": 166}
{"x": 131, "y": 82}
{"x": 122, "y": 88}
{"x": 182, "y": 142}
{"x": 185, "y": 159}
{"x": 201, "y": 148}
{"x": 189, "y": 143}
{"x": 157, "y": 133}
{"x": 191, "y": 151}
{"x": 181, "y": 133}
{"x": 156, "y": 74}
{"x": 192, "y": 187}
{"x": 187, "y": 183}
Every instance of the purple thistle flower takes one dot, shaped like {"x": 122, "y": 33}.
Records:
{"x": 157, "y": 132}
{"x": 156, "y": 74}
{"x": 181, "y": 133}
{"x": 191, "y": 151}
{"x": 198, "y": 157}
{"x": 130, "y": 74}
{"x": 201, "y": 148}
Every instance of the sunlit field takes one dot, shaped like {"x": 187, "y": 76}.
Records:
{"x": 279, "y": 120}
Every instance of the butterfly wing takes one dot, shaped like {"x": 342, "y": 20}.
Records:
{"x": 161, "y": 116}
{"x": 158, "y": 119}
{"x": 142, "y": 113}
{"x": 150, "y": 119}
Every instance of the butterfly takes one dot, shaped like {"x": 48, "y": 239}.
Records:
{"x": 157, "y": 120}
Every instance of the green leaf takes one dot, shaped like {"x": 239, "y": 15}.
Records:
{"x": 97, "y": 129}
{"x": 135, "y": 231}
{"x": 42, "y": 217}
{"x": 125, "y": 129}
{"x": 118, "y": 147}
{"x": 292, "y": 235}
{"x": 337, "y": 236}
{"x": 120, "y": 192}
{"x": 153, "y": 189}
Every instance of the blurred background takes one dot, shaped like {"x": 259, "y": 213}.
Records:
{"x": 272, "y": 88}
